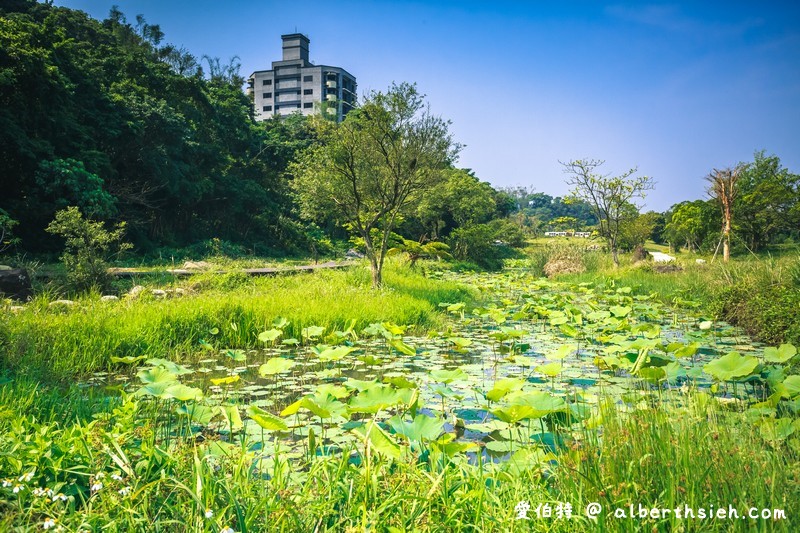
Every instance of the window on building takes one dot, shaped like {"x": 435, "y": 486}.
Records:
{"x": 308, "y": 105}
{"x": 298, "y": 92}
{"x": 267, "y": 82}
{"x": 297, "y": 106}
{"x": 267, "y": 108}
{"x": 267, "y": 95}
{"x": 308, "y": 78}
{"x": 308, "y": 91}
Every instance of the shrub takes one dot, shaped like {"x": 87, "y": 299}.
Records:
{"x": 89, "y": 247}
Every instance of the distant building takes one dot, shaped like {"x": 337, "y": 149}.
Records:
{"x": 295, "y": 84}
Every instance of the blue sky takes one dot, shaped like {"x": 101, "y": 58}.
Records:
{"x": 673, "y": 88}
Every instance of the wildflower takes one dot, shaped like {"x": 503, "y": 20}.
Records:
{"x": 26, "y": 477}
{"x": 228, "y": 530}
{"x": 6, "y": 483}
{"x": 124, "y": 491}
{"x": 59, "y": 496}
{"x": 39, "y": 492}
{"x": 209, "y": 513}
{"x": 48, "y": 523}
{"x": 116, "y": 477}
{"x": 100, "y": 475}
{"x": 96, "y": 486}
{"x": 18, "y": 488}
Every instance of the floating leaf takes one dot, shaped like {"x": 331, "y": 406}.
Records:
{"x": 128, "y": 359}
{"x": 312, "y": 332}
{"x": 377, "y": 439}
{"x": 267, "y": 421}
{"x": 550, "y": 369}
{"x": 226, "y": 380}
{"x": 276, "y": 365}
{"x": 335, "y": 353}
{"x": 402, "y": 347}
{"x": 777, "y": 355}
{"x": 448, "y": 376}
{"x": 620, "y": 311}
{"x": 182, "y": 393}
{"x": 271, "y": 335}
{"x": 731, "y": 366}
{"x": 562, "y": 352}
{"x": 422, "y": 428}
{"x": 503, "y": 387}
{"x": 375, "y": 399}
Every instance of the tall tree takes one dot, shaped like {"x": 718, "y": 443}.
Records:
{"x": 724, "y": 188}
{"x": 375, "y": 166}
{"x": 610, "y": 197}
{"x": 767, "y": 205}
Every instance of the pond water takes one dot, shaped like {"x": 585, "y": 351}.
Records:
{"x": 526, "y": 365}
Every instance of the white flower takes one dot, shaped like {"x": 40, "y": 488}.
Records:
{"x": 59, "y": 496}
{"x": 48, "y": 523}
{"x": 96, "y": 486}
{"x": 6, "y": 483}
{"x": 26, "y": 477}
{"x": 209, "y": 513}
{"x": 124, "y": 491}
{"x": 116, "y": 477}
{"x": 228, "y": 530}
{"x": 18, "y": 488}
{"x": 38, "y": 491}
{"x": 99, "y": 475}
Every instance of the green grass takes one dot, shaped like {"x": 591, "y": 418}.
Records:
{"x": 699, "y": 456}
{"x": 57, "y": 343}
{"x": 760, "y": 294}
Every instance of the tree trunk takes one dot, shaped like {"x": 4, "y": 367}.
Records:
{"x": 375, "y": 266}
{"x": 377, "y": 278}
{"x": 726, "y": 245}
{"x": 612, "y": 243}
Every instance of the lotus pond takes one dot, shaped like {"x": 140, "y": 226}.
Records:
{"x": 537, "y": 390}
{"x": 525, "y": 367}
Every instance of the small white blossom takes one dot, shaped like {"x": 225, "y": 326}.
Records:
{"x": 26, "y": 477}
{"x": 116, "y": 477}
{"x": 228, "y": 530}
{"x": 124, "y": 491}
{"x": 18, "y": 488}
{"x": 39, "y": 492}
{"x": 6, "y": 483}
{"x": 96, "y": 486}
{"x": 209, "y": 513}
{"x": 48, "y": 523}
{"x": 59, "y": 496}
{"x": 100, "y": 475}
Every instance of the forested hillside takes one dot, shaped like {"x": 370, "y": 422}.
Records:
{"x": 108, "y": 117}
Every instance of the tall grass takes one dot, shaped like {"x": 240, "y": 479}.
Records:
{"x": 657, "y": 456}
{"x": 759, "y": 294}
{"x": 226, "y": 311}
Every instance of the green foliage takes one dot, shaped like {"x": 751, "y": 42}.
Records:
{"x": 7, "y": 239}
{"x": 66, "y": 182}
{"x": 768, "y": 203}
{"x": 487, "y": 244}
{"x": 88, "y": 248}
{"x": 374, "y": 167}
{"x": 610, "y": 198}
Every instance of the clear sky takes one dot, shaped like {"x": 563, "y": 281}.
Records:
{"x": 675, "y": 88}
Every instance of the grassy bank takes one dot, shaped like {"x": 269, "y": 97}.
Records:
{"x": 229, "y": 311}
{"x": 761, "y": 294}
{"x": 111, "y": 474}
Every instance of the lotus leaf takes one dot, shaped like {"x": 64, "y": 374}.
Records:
{"x": 731, "y": 366}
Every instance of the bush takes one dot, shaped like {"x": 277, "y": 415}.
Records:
{"x": 89, "y": 247}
